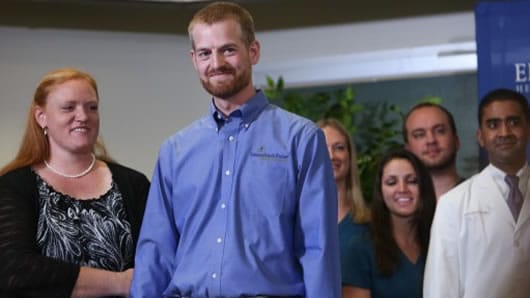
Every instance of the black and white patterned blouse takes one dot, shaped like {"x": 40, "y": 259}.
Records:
{"x": 93, "y": 233}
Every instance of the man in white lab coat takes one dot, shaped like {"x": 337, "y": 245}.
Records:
{"x": 480, "y": 247}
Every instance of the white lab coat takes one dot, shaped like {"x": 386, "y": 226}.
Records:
{"x": 476, "y": 248}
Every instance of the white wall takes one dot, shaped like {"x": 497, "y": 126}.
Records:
{"x": 431, "y": 45}
{"x": 149, "y": 89}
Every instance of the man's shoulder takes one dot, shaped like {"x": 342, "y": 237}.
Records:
{"x": 280, "y": 116}
{"x": 464, "y": 193}
{"x": 276, "y": 111}
{"x": 194, "y": 128}
{"x": 459, "y": 189}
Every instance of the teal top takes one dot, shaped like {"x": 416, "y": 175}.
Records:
{"x": 359, "y": 270}
{"x": 348, "y": 229}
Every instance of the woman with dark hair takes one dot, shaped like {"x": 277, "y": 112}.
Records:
{"x": 69, "y": 215}
{"x": 390, "y": 259}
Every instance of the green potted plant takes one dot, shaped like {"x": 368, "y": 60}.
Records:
{"x": 374, "y": 127}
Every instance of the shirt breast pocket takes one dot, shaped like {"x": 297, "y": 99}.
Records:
{"x": 265, "y": 187}
{"x": 267, "y": 204}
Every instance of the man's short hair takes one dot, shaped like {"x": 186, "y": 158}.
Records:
{"x": 423, "y": 105}
{"x": 221, "y": 11}
{"x": 503, "y": 94}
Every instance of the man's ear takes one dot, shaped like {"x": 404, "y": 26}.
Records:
{"x": 479, "y": 138}
{"x": 193, "y": 61}
{"x": 254, "y": 52}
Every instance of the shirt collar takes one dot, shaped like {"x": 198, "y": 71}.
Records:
{"x": 248, "y": 112}
{"x": 498, "y": 175}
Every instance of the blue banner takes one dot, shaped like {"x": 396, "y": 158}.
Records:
{"x": 503, "y": 46}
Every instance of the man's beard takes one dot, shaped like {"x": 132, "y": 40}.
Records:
{"x": 443, "y": 164}
{"x": 229, "y": 88}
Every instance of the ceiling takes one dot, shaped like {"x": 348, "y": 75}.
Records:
{"x": 166, "y": 16}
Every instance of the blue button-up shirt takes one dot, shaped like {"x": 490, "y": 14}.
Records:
{"x": 241, "y": 205}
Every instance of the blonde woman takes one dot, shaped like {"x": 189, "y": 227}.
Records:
{"x": 353, "y": 213}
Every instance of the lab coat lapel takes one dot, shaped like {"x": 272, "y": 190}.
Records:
{"x": 491, "y": 199}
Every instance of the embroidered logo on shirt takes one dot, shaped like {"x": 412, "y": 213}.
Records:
{"x": 260, "y": 153}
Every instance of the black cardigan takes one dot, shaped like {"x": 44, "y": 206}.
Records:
{"x": 24, "y": 272}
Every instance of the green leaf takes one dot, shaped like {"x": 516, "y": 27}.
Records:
{"x": 376, "y": 127}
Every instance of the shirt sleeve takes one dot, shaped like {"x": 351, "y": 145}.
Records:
{"x": 157, "y": 244}
{"x": 24, "y": 272}
{"x": 441, "y": 277}
{"x": 358, "y": 266}
{"x": 316, "y": 233}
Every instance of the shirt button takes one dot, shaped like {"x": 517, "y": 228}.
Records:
{"x": 219, "y": 240}
{"x": 246, "y": 125}
{"x": 214, "y": 275}
{"x": 231, "y": 138}
{"x": 223, "y": 206}
{"x": 227, "y": 172}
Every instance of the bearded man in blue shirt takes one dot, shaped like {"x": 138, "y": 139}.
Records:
{"x": 243, "y": 201}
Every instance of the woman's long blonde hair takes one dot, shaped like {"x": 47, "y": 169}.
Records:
{"x": 358, "y": 207}
{"x": 34, "y": 147}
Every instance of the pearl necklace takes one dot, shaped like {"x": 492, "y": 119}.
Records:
{"x": 90, "y": 167}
